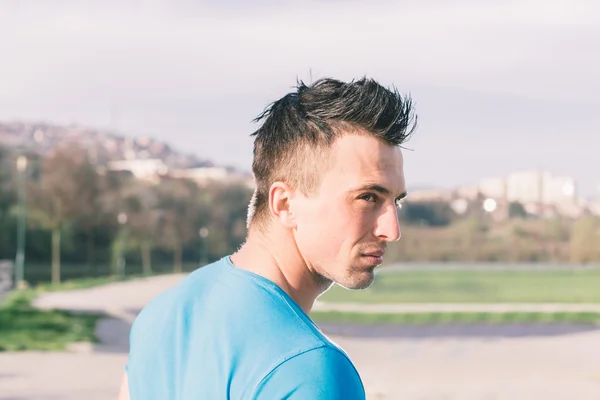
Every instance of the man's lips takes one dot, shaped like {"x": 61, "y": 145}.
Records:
{"x": 374, "y": 257}
{"x": 374, "y": 253}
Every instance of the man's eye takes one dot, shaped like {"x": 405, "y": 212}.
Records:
{"x": 370, "y": 198}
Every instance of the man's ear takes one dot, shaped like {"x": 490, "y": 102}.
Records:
{"x": 280, "y": 196}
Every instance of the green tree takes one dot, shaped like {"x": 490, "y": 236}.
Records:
{"x": 427, "y": 213}
{"x": 228, "y": 205}
{"x": 56, "y": 194}
{"x": 90, "y": 210}
{"x": 584, "y": 244}
{"x": 8, "y": 195}
{"x": 177, "y": 204}
{"x": 140, "y": 205}
{"x": 517, "y": 210}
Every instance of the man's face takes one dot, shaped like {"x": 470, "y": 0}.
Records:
{"x": 342, "y": 229}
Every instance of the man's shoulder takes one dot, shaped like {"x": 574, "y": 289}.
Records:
{"x": 214, "y": 294}
{"x": 179, "y": 299}
{"x": 323, "y": 371}
{"x": 326, "y": 360}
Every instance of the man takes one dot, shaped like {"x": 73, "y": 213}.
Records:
{"x": 329, "y": 175}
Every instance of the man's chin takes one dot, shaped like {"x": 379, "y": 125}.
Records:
{"x": 359, "y": 280}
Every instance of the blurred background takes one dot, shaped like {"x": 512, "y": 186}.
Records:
{"x": 125, "y": 156}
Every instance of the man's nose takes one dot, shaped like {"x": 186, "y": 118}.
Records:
{"x": 388, "y": 225}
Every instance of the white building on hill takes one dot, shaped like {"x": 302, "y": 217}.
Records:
{"x": 147, "y": 169}
{"x": 540, "y": 192}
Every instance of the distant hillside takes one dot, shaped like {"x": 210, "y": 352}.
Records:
{"x": 103, "y": 145}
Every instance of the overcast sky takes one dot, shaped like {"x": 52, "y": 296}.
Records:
{"x": 499, "y": 85}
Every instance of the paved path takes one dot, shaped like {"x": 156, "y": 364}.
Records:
{"x": 120, "y": 300}
{"x": 427, "y": 362}
{"x": 457, "y": 307}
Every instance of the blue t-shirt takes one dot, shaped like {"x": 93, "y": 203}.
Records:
{"x": 226, "y": 333}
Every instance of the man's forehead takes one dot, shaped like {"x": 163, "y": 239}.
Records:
{"x": 366, "y": 156}
{"x": 363, "y": 163}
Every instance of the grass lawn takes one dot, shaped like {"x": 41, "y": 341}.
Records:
{"x": 463, "y": 318}
{"x": 575, "y": 286}
{"x": 23, "y": 327}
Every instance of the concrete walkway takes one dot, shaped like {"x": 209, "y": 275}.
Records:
{"x": 457, "y": 307}
{"x": 425, "y": 362}
{"x": 118, "y": 299}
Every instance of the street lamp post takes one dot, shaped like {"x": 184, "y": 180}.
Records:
{"x": 22, "y": 192}
{"x": 122, "y": 219}
{"x": 203, "y": 232}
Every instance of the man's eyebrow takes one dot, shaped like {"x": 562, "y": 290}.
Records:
{"x": 379, "y": 189}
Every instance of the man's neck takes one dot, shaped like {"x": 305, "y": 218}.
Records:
{"x": 278, "y": 260}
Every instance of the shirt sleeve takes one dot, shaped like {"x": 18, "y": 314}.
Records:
{"x": 322, "y": 373}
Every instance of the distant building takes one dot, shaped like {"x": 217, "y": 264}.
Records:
{"x": 425, "y": 195}
{"x": 204, "y": 175}
{"x": 470, "y": 192}
{"x": 495, "y": 188}
{"x": 540, "y": 192}
{"x": 148, "y": 169}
